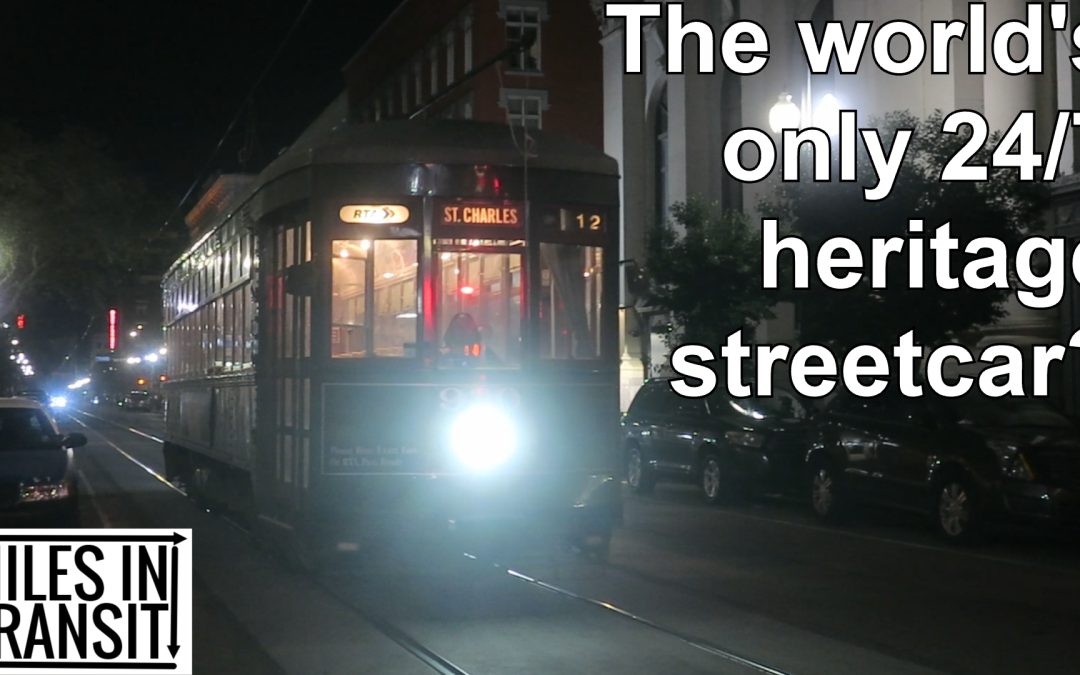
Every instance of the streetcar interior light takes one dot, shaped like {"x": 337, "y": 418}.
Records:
{"x": 447, "y": 256}
{"x": 365, "y": 244}
{"x": 467, "y": 290}
{"x": 483, "y": 437}
{"x": 344, "y": 253}
{"x": 407, "y": 315}
{"x": 388, "y": 275}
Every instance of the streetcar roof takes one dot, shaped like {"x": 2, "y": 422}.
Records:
{"x": 330, "y": 140}
{"x": 437, "y": 141}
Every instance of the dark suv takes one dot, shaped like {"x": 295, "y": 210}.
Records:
{"x": 967, "y": 461}
{"x": 730, "y": 446}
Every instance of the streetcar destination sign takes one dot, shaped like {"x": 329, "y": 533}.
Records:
{"x": 507, "y": 215}
{"x": 374, "y": 214}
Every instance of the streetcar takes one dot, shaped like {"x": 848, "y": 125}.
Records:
{"x": 404, "y": 329}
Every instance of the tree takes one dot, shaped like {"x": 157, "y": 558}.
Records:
{"x": 1002, "y": 207}
{"x": 74, "y": 223}
{"x": 704, "y": 269}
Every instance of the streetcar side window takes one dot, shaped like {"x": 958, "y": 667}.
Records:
{"x": 571, "y": 288}
{"x": 374, "y": 298}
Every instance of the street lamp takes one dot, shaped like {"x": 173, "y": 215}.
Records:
{"x": 827, "y": 115}
{"x": 784, "y": 114}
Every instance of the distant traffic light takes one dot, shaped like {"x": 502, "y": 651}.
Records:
{"x": 164, "y": 378}
{"x": 20, "y": 322}
{"x": 141, "y": 381}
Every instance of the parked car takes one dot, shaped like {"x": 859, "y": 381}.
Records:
{"x": 730, "y": 446}
{"x": 970, "y": 462}
{"x": 39, "y": 395}
{"x": 139, "y": 400}
{"x": 37, "y": 466}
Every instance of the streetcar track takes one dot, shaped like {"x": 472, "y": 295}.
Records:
{"x": 689, "y": 640}
{"x": 427, "y": 656}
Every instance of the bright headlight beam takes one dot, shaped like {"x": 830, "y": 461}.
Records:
{"x": 483, "y": 437}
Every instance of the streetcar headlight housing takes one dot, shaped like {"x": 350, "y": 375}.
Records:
{"x": 483, "y": 437}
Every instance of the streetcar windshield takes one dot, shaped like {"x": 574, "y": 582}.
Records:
{"x": 478, "y": 304}
{"x": 374, "y": 298}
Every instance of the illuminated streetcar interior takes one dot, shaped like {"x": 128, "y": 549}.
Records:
{"x": 476, "y": 312}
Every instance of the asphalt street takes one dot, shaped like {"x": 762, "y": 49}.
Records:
{"x": 688, "y": 588}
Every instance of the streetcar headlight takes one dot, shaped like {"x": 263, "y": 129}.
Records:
{"x": 483, "y": 437}
{"x": 58, "y": 401}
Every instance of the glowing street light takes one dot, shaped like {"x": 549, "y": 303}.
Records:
{"x": 784, "y": 114}
{"x": 827, "y": 115}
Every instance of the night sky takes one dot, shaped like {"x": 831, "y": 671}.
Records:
{"x": 162, "y": 79}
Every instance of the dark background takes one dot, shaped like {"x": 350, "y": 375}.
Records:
{"x": 162, "y": 79}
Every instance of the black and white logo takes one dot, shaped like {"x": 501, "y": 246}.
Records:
{"x": 104, "y": 601}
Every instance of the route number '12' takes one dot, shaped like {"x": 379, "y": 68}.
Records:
{"x": 590, "y": 222}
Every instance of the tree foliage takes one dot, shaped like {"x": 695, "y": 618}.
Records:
{"x": 704, "y": 269}
{"x": 74, "y": 223}
{"x": 1003, "y": 208}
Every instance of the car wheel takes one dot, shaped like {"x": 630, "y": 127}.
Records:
{"x": 714, "y": 480}
{"x": 957, "y": 513}
{"x": 825, "y": 496}
{"x": 638, "y": 475}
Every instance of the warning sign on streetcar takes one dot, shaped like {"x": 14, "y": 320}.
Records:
{"x": 101, "y": 601}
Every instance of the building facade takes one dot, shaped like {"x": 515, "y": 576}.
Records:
{"x": 426, "y": 47}
{"x": 668, "y": 130}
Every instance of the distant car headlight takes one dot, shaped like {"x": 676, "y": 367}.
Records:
{"x": 43, "y": 492}
{"x": 1010, "y": 460}
{"x": 483, "y": 437}
{"x": 58, "y": 401}
{"x": 745, "y": 438}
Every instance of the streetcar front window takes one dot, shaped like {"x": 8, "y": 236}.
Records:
{"x": 374, "y": 298}
{"x": 571, "y": 288}
{"x": 478, "y": 306}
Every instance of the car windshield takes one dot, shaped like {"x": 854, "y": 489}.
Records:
{"x": 781, "y": 405}
{"x": 25, "y": 429}
{"x": 983, "y": 411}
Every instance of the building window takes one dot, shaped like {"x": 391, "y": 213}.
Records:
{"x": 378, "y": 109}
{"x": 524, "y": 108}
{"x": 522, "y": 22}
{"x": 433, "y": 56}
{"x": 466, "y": 41}
{"x": 448, "y": 43}
{"x": 404, "y": 92}
{"x": 390, "y": 100}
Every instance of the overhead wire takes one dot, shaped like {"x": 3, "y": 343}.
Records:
{"x": 244, "y": 107}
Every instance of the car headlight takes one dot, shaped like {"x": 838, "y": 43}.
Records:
{"x": 483, "y": 437}
{"x": 745, "y": 438}
{"x": 43, "y": 492}
{"x": 1010, "y": 460}
{"x": 58, "y": 401}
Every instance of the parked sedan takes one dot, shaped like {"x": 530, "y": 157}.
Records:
{"x": 728, "y": 446}
{"x": 969, "y": 462}
{"x": 37, "y": 469}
